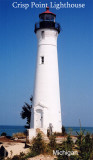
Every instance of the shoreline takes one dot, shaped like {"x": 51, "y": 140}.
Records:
{"x": 10, "y": 129}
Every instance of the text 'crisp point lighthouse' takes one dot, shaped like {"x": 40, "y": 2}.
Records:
{"x": 46, "y": 109}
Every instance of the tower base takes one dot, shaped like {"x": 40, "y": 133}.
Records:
{"x": 33, "y": 132}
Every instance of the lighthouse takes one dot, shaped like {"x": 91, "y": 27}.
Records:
{"x": 46, "y": 108}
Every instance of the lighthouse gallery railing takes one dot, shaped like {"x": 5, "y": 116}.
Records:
{"x": 47, "y": 24}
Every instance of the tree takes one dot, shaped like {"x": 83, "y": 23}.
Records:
{"x": 84, "y": 146}
{"x": 65, "y": 150}
{"x": 38, "y": 145}
{"x": 52, "y": 142}
{"x": 26, "y": 113}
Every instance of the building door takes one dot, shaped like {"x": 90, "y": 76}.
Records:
{"x": 39, "y": 118}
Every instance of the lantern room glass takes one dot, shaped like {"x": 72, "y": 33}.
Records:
{"x": 47, "y": 17}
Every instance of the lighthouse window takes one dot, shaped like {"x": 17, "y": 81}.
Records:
{"x": 42, "y": 34}
{"x": 42, "y": 60}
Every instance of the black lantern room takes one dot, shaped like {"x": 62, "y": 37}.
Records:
{"x": 47, "y": 20}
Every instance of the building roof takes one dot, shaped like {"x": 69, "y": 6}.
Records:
{"x": 47, "y": 12}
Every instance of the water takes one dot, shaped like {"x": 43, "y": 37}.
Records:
{"x": 9, "y": 130}
{"x": 74, "y": 130}
{"x": 14, "y": 129}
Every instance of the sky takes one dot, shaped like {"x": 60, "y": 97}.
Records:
{"x": 18, "y": 51}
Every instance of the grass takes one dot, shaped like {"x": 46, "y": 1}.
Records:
{"x": 19, "y": 135}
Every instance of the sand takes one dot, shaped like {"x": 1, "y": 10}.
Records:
{"x": 43, "y": 157}
{"x": 14, "y": 148}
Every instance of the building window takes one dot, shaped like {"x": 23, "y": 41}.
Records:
{"x": 42, "y": 34}
{"x": 42, "y": 60}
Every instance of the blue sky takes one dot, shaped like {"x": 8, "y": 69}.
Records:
{"x": 18, "y": 49}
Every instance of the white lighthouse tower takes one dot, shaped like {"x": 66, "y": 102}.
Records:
{"x": 46, "y": 108}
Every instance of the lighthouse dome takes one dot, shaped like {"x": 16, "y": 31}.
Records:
{"x": 47, "y": 15}
{"x": 47, "y": 20}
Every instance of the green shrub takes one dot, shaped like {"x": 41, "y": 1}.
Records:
{"x": 3, "y": 134}
{"x": 18, "y": 157}
{"x": 63, "y": 131}
{"x": 8, "y": 158}
{"x": 69, "y": 143}
{"x": 52, "y": 143}
{"x": 38, "y": 146}
{"x": 84, "y": 146}
{"x": 65, "y": 157}
{"x": 65, "y": 149}
{"x": 19, "y": 135}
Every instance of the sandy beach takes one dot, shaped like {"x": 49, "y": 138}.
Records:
{"x": 13, "y": 147}
{"x": 43, "y": 157}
